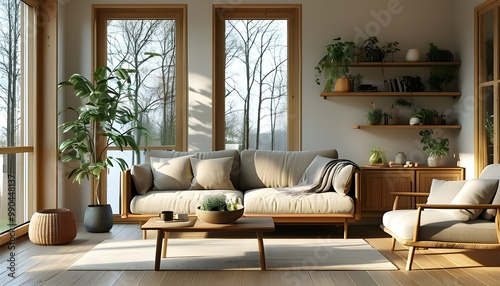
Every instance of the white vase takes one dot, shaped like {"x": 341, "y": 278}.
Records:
{"x": 414, "y": 121}
{"x": 412, "y": 55}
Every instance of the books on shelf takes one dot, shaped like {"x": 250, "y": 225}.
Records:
{"x": 394, "y": 85}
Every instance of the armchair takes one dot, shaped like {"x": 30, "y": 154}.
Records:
{"x": 458, "y": 214}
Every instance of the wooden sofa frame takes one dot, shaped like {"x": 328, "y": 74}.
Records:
{"x": 416, "y": 243}
{"x": 127, "y": 190}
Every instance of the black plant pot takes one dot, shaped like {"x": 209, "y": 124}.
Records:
{"x": 374, "y": 55}
{"x": 98, "y": 218}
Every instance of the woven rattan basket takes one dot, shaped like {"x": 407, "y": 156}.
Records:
{"x": 52, "y": 227}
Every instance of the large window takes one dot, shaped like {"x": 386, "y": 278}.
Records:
{"x": 148, "y": 39}
{"x": 257, "y": 77}
{"x": 17, "y": 99}
{"x": 487, "y": 85}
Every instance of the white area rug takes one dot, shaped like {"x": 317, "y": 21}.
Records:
{"x": 235, "y": 254}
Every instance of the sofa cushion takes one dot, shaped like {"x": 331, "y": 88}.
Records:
{"x": 276, "y": 169}
{"x": 210, "y": 174}
{"x": 443, "y": 192}
{"x": 235, "y": 169}
{"x": 142, "y": 177}
{"x": 274, "y": 201}
{"x": 171, "y": 173}
{"x": 439, "y": 226}
{"x": 178, "y": 201}
{"x": 474, "y": 191}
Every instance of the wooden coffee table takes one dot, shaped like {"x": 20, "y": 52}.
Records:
{"x": 244, "y": 224}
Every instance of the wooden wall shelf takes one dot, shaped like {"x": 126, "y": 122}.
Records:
{"x": 403, "y": 64}
{"x": 390, "y": 94}
{"x": 406, "y": 126}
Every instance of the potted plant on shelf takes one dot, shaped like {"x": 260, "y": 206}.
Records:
{"x": 218, "y": 208}
{"x": 425, "y": 115}
{"x": 335, "y": 65}
{"x": 436, "y": 148}
{"x": 440, "y": 76}
{"x": 94, "y": 130}
{"x": 374, "y": 115}
{"x": 374, "y": 53}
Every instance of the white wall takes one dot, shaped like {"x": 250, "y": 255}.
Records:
{"x": 326, "y": 123}
{"x": 464, "y": 38}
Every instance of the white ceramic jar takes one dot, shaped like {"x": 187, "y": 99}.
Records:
{"x": 414, "y": 121}
{"x": 412, "y": 55}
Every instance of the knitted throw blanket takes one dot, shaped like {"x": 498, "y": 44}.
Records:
{"x": 319, "y": 175}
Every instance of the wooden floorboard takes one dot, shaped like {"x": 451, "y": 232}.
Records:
{"x": 46, "y": 265}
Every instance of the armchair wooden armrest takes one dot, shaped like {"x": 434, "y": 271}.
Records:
{"x": 405, "y": 194}
{"x": 458, "y": 206}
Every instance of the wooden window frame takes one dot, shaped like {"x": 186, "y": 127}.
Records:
{"x": 480, "y": 135}
{"x": 292, "y": 13}
{"x": 101, "y": 13}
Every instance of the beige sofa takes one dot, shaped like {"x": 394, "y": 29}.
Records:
{"x": 178, "y": 180}
{"x": 458, "y": 214}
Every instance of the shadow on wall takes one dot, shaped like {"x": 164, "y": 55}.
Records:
{"x": 200, "y": 120}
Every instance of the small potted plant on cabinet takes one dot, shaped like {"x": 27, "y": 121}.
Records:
{"x": 335, "y": 65}
{"x": 94, "y": 130}
{"x": 437, "y": 148}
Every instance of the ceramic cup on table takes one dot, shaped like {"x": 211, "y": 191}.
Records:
{"x": 167, "y": 215}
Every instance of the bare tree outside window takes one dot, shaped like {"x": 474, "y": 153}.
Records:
{"x": 16, "y": 58}
{"x": 256, "y": 84}
{"x": 9, "y": 73}
{"x": 152, "y": 92}
{"x": 149, "y": 47}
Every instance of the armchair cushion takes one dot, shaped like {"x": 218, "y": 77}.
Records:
{"x": 439, "y": 226}
{"x": 491, "y": 172}
{"x": 474, "y": 191}
{"x": 443, "y": 192}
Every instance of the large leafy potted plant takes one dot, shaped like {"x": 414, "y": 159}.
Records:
{"x": 335, "y": 65}
{"x": 435, "y": 147}
{"x": 102, "y": 121}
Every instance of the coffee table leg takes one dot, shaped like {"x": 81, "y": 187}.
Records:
{"x": 159, "y": 239}
{"x": 164, "y": 248}
{"x": 261, "y": 251}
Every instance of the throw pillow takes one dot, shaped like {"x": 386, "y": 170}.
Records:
{"x": 171, "y": 173}
{"x": 211, "y": 174}
{"x": 443, "y": 192}
{"x": 474, "y": 191}
{"x": 489, "y": 214}
{"x": 142, "y": 177}
{"x": 343, "y": 179}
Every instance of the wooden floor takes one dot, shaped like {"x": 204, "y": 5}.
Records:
{"x": 46, "y": 265}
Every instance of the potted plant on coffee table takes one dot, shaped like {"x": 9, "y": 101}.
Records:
{"x": 102, "y": 121}
{"x": 218, "y": 208}
{"x": 435, "y": 147}
{"x": 335, "y": 65}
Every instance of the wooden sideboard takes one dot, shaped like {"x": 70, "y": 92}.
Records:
{"x": 378, "y": 182}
